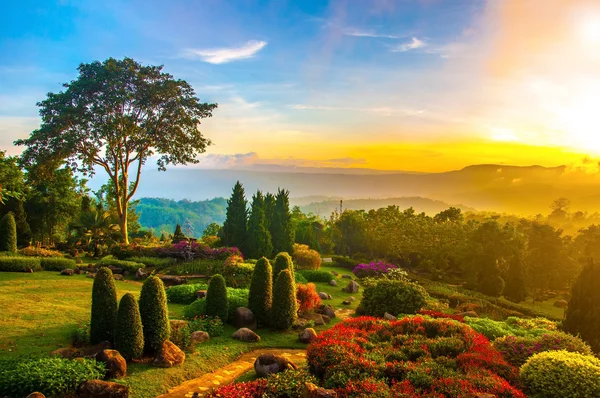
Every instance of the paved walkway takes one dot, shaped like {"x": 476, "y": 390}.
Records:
{"x": 204, "y": 384}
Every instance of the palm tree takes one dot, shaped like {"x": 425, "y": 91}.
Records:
{"x": 96, "y": 228}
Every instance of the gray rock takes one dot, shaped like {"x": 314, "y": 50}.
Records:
{"x": 118, "y": 277}
{"x": 200, "y": 294}
{"x": 333, "y": 282}
{"x": 199, "y": 336}
{"x": 324, "y": 296}
{"x": 267, "y": 364}
{"x": 307, "y": 335}
{"x": 168, "y": 355}
{"x": 352, "y": 298}
{"x": 346, "y": 302}
{"x": 346, "y": 276}
{"x": 140, "y": 274}
{"x": 328, "y": 310}
{"x": 247, "y": 335}
{"x": 316, "y": 318}
{"x": 67, "y": 271}
{"x": 244, "y": 318}
{"x": 352, "y": 287}
{"x": 389, "y": 316}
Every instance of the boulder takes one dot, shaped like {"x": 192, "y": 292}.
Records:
{"x": 561, "y": 303}
{"x": 200, "y": 294}
{"x": 324, "y": 296}
{"x": 244, "y": 318}
{"x": 300, "y": 323}
{"x": 334, "y": 273}
{"x": 67, "y": 271}
{"x": 90, "y": 275}
{"x": 352, "y": 298}
{"x": 140, "y": 274}
{"x": 471, "y": 314}
{"x": 267, "y": 364}
{"x": 247, "y": 335}
{"x": 346, "y": 302}
{"x": 67, "y": 352}
{"x": 307, "y": 335}
{"x": 312, "y": 391}
{"x": 316, "y": 318}
{"x": 346, "y": 276}
{"x": 326, "y": 319}
{"x": 172, "y": 280}
{"x": 352, "y": 287}
{"x": 118, "y": 277}
{"x": 327, "y": 310}
{"x": 77, "y": 271}
{"x": 333, "y": 282}
{"x": 116, "y": 366}
{"x": 168, "y": 355}
{"x": 36, "y": 395}
{"x": 115, "y": 270}
{"x": 102, "y": 389}
{"x": 389, "y": 317}
{"x": 199, "y": 337}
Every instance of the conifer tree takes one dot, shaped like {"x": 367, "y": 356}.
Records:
{"x": 583, "y": 312}
{"x": 284, "y": 311}
{"x": 129, "y": 337}
{"x": 154, "y": 314}
{"x": 104, "y": 307}
{"x": 260, "y": 298}
{"x": 269, "y": 209}
{"x": 178, "y": 236}
{"x": 23, "y": 228}
{"x": 259, "y": 237}
{"x": 281, "y": 228}
{"x": 235, "y": 225}
{"x": 8, "y": 233}
{"x": 216, "y": 298}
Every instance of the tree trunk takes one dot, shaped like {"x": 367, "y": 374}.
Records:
{"x": 123, "y": 224}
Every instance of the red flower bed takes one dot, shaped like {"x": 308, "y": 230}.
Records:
{"x": 438, "y": 314}
{"x": 251, "y": 389}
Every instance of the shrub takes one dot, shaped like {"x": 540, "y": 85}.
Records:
{"x": 32, "y": 251}
{"x": 289, "y": 384}
{"x": 54, "y": 377}
{"x": 344, "y": 262}
{"x": 129, "y": 337}
{"x": 194, "y": 310}
{"x": 8, "y": 233}
{"x": 154, "y": 262}
{"x": 181, "y": 335}
{"x": 129, "y": 266}
{"x": 198, "y": 267}
{"x": 513, "y": 326}
{"x": 491, "y": 286}
{"x": 260, "y": 298}
{"x": 184, "y": 294}
{"x": 285, "y": 308}
{"x": 57, "y": 264}
{"x": 251, "y": 389}
{"x": 234, "y": 259}
{"x": 395, "y": 297}
{"x": 81, "y": 336}
{"x": 19, "y": 264}
{"x": 211, "y": 325}
{"x": 154, "y": 313}
{"x": 306, "y": 258}
{"x": 282, "y": 261}
{"x": 558, "y": 374}
{"x": 239, "y": 275}
{"x": 216, "y": 298}
{"x": 299, "y": 278}
{"x": 437, "y": 315}
{"x": 307, "y": 297}
{"x": 316, "y": 276}
{"x": 104, "y": 307}
{"x": 235, "y": 298}
{"x": 373, "y": 269}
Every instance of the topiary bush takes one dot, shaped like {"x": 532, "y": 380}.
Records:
{"x": 316, "y": 276}
{"x": 306, "y": 258}
{"x": 19, "y": 264}
{"x": 216, "y": 298}
{"x": 129, "y": 337}
{"x": 104, "y": 307}
{"x": 282, "y": 261}
{"x": 154, "y": 314}
{"x": 8, "y": 233}
{"x": 560, "y": 374}
{"x": 196, "y": 309}
{"x": 239, "y": 275}
{"x": 184, "y": 294}
{"x": 260, "y": 298}
{"x": 154, "y": 262}
{"x": 284, "y": 310}
{"x": 57, "y": 263}
{"x": 393, "y": 296}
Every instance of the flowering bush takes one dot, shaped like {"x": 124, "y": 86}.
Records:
{"x": 211, "y": 325}
{"x": 513, "y": 326}
{"x": 306, "y": 258}
{"x": 233, "y": 260}
{"x": 438, "y": 314}
{"x": 32, "y": 251}
{"x": 307, "y": 297}
{"x": 252, "y": 389}
{"x": 373, "y": 269}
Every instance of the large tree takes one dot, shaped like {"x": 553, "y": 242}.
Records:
{"x": 235, "y": 228}
{"x": 259, "y": 238}
{"x": 115, "y": 116}
{"x": 281, "y": 228}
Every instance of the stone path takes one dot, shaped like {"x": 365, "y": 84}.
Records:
{"x": 204, "y": 384}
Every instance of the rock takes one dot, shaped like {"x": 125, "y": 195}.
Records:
{"x": 334, "y": 273}
{"x": 28, "y": 270}
{"x": 352, "y": 287}
{"x": 67, "y": 271}
{"x": 300, "y": 323}
{"x": 316, "y": 318}
{"x": 115, "y": 270}
{"x": 78, "y": 261}
{"x": 389, "y": 317}
{"x": 90, "y": 275}
{"x": 561, "y": 303}
{"x": 267, "y": 364}
{"x": 247, "y": 335}
{"x": 199, "y": 337}
{"x": 352, "y": 298}
{"x": 172, "y": 280}
{"x": 244, "y": 318}
{"x": 116, "y": 366}
{"x": 200, "y": 294}
{"x": 77, "y": 271}
{"x": 327, "y": 310}
{"x": 326, "y": 319}
{"x": 312, "y": 391}
{"x": 307, "y": 335}
{"x": 471, "y": 314}
{"x": 168, "y": 355}
{"x": 346, "y": 302}
{"x": 36, "y": 395}
{"x": 95, "y": 349}
{"x": 346, "y": 276}
{"x": 333, "y": 282}
{"x": 118, "y": 277}
{"x": 102, "y": 389}
{"x": 67, "y": 352}
{"x": 140, "y": 274}
{"x": 324, "y": 296}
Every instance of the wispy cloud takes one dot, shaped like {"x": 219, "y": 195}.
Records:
{"x": 228, "y": 54}
{"x": 368, "y": 33}
{"x": 382, "y": 110}
{"x": 411, "y": 45}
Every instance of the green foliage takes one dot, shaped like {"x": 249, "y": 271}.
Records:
{"x": 516, "y": 287}
{"x": 258, "y": 243}
{"x": 54, "y": 377}
{"x": 239, "y": 275}
{"x": 559, "y": 374}
{"x": 344, "y": 262}
{"x": 57, "y": 263}
{"x": 129, "y": 337}
{"x": 317, "y": 275}
{"x": 234, "y": 227}
{"x": 491, "y": 285}
{"x": 8, "y": 233}
{"x": 130, "y": 266}
{"x": 154, "y": 313}
{"x": 393, "y": 296}
{"x": 81, "y": 335}
{"x": 236, "y": 298}
{"x": 512, "y": 326}
{"x": 181, "y": 335}
{"x": 284, "y": 310}
{"x": 104, "y": 307}
{"x": 198, "y": 266}
{"x": 281, "y": 228}
{"x": 154, "y": 262}
{"x": 195, "y": 309}
{"x": 282, "y": 261}
{"x": 19, "y": 264}
{"x": 211, "y": 325}
{"x": 306, "y": 258}
{"x": 216, "y": 298}
{"x": 184, "y": 294}
{"x": 178, "y": 236}
{"x": 583, "y": 313}
{"x": 299, "y": 278}
{"x": 289, "y": 384}
{"x": 260, "y": 297}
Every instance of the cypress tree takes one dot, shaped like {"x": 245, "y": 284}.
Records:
{"x": 216, "y": 298}
{"x": 260, "y": 297}
{"x": 269, "y": 209}
{"x": 8, "y": 233}
{"x": 284, "y": 311}
{"x": 583, "y": 312}
{"x": 129, "y": 337}
{"x": 282, "y": 261}
{"x": 259, "y": 237}
{"x": 154, "y": 314}
{"x": 104, "y": 307}
{"x": 178, "y": 236}
{"x": 234, "y": 227}
{"x": 281, "y": 228}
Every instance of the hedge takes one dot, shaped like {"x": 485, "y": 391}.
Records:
{"x": 239, "y": 275}
{"x": 235, "y": 297}
{"x": 129, "y": 266}
{"x": 392, "y": 296}
{"x": 316, "y": 275}
{"x": 154, "y": 262}
{"x": 19, "y": 264}
{"x": 57, "y": 263}
{"x": 184, "y": 294}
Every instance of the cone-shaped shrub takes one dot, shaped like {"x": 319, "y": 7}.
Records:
{"x": 8, "y": 233}
{"x": 104, "y": 307}
{"x": 285, "y": 307}
{"x": 216, "y": 298}
{"x": 154, "y": 314}
{"x": 260, "y": 296}
{"x": 282, "y": 261}
{"x": 129, "y": 337}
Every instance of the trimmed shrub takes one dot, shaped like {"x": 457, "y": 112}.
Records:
{"x": 344, "y": 262}
{"x": 282, "y": 261}
{"x": 284, "y": 311}
{"x": 299, "y": 278}
{"x": 235, "y": 298}
{"x": 104, "y": 307}
{"x": 184, "y": 294}
{"x": 129, "y": 337}
{"x": 19, "y": 264}
{"x": 239, "y": 275}
{"x": 32, "y": 251}
{"x": 491, "y": 286}
{"x": 195, "y": 310}
{"x": 307, "y": 297}
{"x": 129, "y": 266}
{"x": 57, "y": 263}
{"x": 154, "y": 262}
{"x": 316, "y": 275}
{"x": 8, "y": 233}
{"x": 154, "y": 313}
{"x": 559, "y": 374}
{"x": 260, "y": 298}
{"x": 513, "y": 326}
{"x": 54, "y": 377}
{"x": 306, "y": 258}
{"x": 393, "y": 296}
{"x": 216, "y": 298}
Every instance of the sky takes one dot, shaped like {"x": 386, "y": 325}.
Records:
{"x": 416, "y": 85}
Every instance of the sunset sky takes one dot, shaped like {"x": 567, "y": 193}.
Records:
{"x": 423, "y": 85}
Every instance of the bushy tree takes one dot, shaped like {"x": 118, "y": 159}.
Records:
{"x": 235, "y": 225}
{"x": 129, "y": 336}
{"x": 282, "y": 261}
{"x": 281, "y": 228}
{"x": 8, "y": 233}
{"x": 216, "y": 298}
{"x": 154, "y": 314}
{"x": 516, "y": 285}
{"x": 178, "y": 236}
{"x": 583, "y": 312}
{"x": 261, "y": 291}
{"x": 392, "y": 296}
{"x": 104, "y": 307}
{"x": 259, "y": 237}
{"x": 284, "y": 311}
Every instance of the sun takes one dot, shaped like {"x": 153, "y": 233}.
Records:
{"x": 590, "y": 30}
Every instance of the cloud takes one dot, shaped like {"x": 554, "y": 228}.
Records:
{"x": 367, "y": 33}
{"x": 253, "y": 161}
{"x": 224, "y": 55}
{"x": 383, "y": 110}
{"x": 411, "y": 45}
